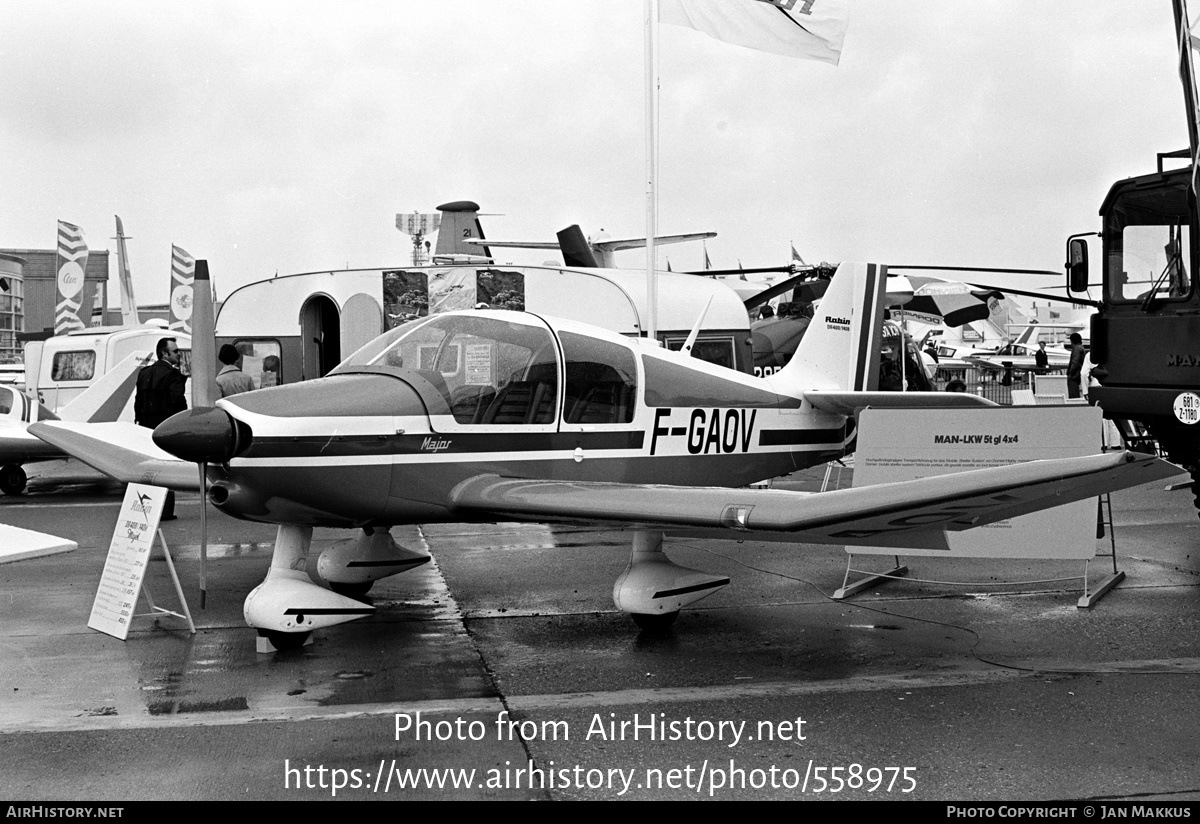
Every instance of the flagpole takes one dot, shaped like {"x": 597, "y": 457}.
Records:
{"x": 651, "y": 44}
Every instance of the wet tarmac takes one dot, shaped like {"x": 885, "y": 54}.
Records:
{"x": 505, "y": 656}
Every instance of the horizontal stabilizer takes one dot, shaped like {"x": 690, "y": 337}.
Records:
{"x": 848, "y": 403}
{"x": 123, "y": 451}
{"x": 909, "y": 513}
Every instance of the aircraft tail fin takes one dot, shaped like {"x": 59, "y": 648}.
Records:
{"x": 460, "y": 223}
{"x": 576, "y": 250}
{"x": 107, "y": 398}
{"x": 840, "y": 349}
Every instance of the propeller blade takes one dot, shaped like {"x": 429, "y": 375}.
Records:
{"x": 204, "y": 341}
{"x": 203, "y": 534}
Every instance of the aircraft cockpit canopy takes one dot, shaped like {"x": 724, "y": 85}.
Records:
{"x": 493, "y": 370}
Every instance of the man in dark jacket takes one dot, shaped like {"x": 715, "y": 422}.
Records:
{"x": 1075, "y": 366}
{"x": 160, "y": 394}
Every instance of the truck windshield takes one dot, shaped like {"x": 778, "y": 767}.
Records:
{"x": 1147, "y": 234}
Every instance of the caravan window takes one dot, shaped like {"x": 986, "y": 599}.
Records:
{"x": 713, "y": 350}
{"x": 261, "y": 360}
{"x": 73, "y": 366}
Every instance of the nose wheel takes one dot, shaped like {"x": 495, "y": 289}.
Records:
{"x": 285, "y": 641}
{"x": 351, "y": 590}
{"x": 656, "y": 622}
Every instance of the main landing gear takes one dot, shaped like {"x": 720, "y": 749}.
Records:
{"x": 287, "y": 606}
{"x": 653, "y": 588}
{"x": 12, "y": 479}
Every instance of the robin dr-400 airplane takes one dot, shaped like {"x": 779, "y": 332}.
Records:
{"x": 486, "y": 416}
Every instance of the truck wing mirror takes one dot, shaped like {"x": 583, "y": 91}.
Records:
{"x": 1077, "y": 265}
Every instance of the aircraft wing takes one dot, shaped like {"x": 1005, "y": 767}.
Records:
{"x": 849, "y": 402}
{"x": 120, "y": 450}
{"x": 640, "y": 242}
{"x": 513, "y": 244}
{"x": 17, "y": 446}
{"x": 906, "y": 514}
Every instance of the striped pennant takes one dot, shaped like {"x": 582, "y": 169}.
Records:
{"x": 183, "y": 271}
{"x": 72, "y": 263}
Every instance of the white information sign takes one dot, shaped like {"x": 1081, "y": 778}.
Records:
{"x": 903, "y": 444}
{"x": 128, "y": 555}
{"x": 479, "y": 364}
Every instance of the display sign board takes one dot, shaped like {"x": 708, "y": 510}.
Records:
{"x": 128, "y": 556}
{"x": 904, "y": 444}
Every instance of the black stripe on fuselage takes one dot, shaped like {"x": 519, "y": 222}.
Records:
{"x": 436, "y": 443}
{"x": 798, "y": 437}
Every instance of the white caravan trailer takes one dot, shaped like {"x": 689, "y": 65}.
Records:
{"x": 58, "y": 369}
{"x": 293, "y": 327}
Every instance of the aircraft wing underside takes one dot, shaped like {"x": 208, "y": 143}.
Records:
{"x": 121, "y": 450}
{"x": 907, "y": 514}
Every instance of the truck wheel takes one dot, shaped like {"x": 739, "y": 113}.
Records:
{"x": 12, "y": 480}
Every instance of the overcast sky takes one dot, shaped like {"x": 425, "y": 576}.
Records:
{"x": 284, "y": 137}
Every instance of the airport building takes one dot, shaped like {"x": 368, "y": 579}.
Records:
{"x": 28, "y": 304}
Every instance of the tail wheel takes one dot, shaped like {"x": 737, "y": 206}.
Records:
{"x": 12, "y": 480}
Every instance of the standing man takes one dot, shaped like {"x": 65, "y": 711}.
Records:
{"x": 1040, "y": 359}
{"x": 1075, "y": 367}
{"x": 160, "y": 394}
{"x": 231, "y": 379}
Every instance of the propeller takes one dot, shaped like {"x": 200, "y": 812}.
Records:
{"x": 217, "y": 435}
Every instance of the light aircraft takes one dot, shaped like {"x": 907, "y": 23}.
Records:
{"x": 1020, "y": 356}
{"x": 486, "y": 416}
{"x": 103, "y": 400}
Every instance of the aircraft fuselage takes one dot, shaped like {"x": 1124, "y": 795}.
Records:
{"x": 381, "y": 443}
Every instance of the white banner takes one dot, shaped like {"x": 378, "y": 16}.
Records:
{"x": 183, "y": 271}
{"x": 72, "y": 264}
{"x": 808, "y": 29}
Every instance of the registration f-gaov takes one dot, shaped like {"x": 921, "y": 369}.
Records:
{"x": 652, "y": 727}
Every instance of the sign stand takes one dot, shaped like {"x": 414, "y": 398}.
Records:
{"x": 1103, "y": 517}
{"x": 897, "y": 445}
{"x": 123, "y": 579}
{"x": 873, "y": 579}
{"x": 155, "y": 610}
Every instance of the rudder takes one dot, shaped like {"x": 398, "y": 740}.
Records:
{"x": 840, "y": 349}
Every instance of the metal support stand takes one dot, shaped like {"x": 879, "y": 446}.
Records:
{"x": 157, "y": 611}
{"x": 873, "y": 579}
{"x": 1103, "y": 518}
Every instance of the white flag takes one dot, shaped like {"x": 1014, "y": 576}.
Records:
{"x": 810, "y": 29}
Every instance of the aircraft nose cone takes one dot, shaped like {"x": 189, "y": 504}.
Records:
{"x": 200, "y": 435}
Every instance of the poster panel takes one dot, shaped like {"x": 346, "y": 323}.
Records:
{"x": 128, "y": 555}
{"x": 904, "y": 444}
